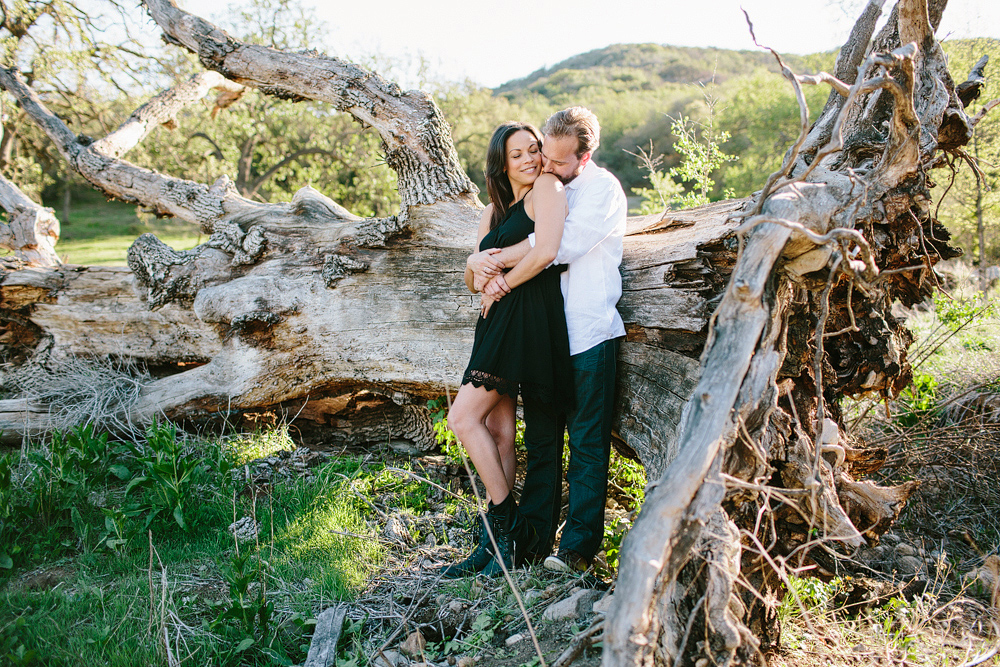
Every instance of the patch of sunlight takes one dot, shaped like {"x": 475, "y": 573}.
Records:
{"x": 250, "y": 446}
{"x": 330, "y": 543}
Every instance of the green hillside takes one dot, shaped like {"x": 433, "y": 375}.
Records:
{"x": 643, "y": 67}
{"x": 636, "y": 89}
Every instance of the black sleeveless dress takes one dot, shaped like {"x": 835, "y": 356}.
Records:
{"x": 522, "y": 344}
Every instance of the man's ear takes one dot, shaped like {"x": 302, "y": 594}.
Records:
{"x": 585, "y": 158}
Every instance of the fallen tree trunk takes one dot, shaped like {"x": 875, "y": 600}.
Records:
{"x": 304, "y": 309}
{"x": 350, "y": 324}
{"x": 31, "y": 231}
{"x": 761, "y": 485}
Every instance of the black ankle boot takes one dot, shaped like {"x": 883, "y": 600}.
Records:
{"x": 481, "y": 555}
{"x": 501, "y": 518}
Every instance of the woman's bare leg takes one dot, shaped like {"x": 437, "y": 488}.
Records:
{"x": 500, "y": 422}
{"x": 467, "y": 418}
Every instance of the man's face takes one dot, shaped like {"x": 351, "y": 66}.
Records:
{"x": 559, "y": 158}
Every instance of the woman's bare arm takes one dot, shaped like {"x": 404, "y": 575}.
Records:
{"x": 548, "y": 204}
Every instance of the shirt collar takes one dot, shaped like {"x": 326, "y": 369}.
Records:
{"x": 588, "y": 172}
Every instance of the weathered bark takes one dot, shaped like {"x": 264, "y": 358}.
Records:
{"x": 787, "y": 340}
{"x": 31, "y": 230}
{"x": 349, "y": 324}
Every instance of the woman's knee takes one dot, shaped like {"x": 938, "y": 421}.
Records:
{"x": 460, "y": 422}
{"x": 503, "y": 433}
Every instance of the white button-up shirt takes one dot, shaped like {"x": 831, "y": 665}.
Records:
{"x": 592, "y": 247}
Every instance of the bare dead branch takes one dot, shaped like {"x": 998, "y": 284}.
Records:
{"x": 579, "y": 643}
{"x": 414, "y": 134}
{"x": 160, "y": 110}
{"x": 194, "y": 202}
{"x": 988, "y": 107}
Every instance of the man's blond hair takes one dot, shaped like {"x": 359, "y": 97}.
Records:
{"x": 578, "y": 122}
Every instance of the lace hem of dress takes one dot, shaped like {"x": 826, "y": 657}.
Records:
{"x": 490, "y": 381}
{"x": 541, "y": 393}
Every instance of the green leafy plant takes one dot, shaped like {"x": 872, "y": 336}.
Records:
{"x": 249, "y": 608}
{"x": 699, "y": 145}
{"x": 13, "y": 650}
{"x": 614, "y": 534}
{"x": 895, "y": 619}
{"x": 6, "y": 512}
{"x": 700, "y": 148}
{"x": 807, "y": 594}
{"x": 483, "y": 629}
{"x": 166, "y": 474}
{"x": 629, "y": 475}
{"x": 353, "y": 655}
{"x": 247, "y": 618}
{"x": 91, "y": 452}
{"x": 918, "y": 400}
{"x": 116, "y": 534}
{"x": 665, "y": 191}
{"x": 444, "y": 436}
{"x": 957, "y": 312}
{"x": 54, "y": 481}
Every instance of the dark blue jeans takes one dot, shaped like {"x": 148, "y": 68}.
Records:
{"x": 589, "y": 424}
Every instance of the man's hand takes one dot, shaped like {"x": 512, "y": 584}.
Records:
{"x": 484, "y": 265}
{"x": 496, "y": 288}
{"x": 485, "y": 303}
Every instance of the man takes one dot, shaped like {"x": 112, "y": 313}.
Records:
{"x": 592, "y": 248}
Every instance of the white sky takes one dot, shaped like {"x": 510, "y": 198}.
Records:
{"x": 491, "y": 42}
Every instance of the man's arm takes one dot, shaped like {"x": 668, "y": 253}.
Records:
{"x": 588, "y": 224}
{"x": 512, "y": 255}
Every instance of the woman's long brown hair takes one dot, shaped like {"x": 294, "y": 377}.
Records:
{"x": 497, "y": 183}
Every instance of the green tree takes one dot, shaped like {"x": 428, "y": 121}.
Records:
{"x": 968, "y": 205}
{"x": 761, "y": 116}
{"x": 65, "y": 54}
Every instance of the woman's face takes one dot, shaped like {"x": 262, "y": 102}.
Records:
{"x": 524, "y": 158}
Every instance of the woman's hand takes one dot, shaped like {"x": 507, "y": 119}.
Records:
{"x": 484, "y": 265}
{"x": 485, "y": 303}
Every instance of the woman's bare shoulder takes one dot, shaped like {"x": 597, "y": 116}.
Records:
{"x": 487, "y": 212}
{"x": 548, "y": 183}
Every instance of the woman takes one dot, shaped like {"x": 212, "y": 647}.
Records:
{"x": 521, "y": 342}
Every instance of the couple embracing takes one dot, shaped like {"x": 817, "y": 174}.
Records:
{"x": 550, "y": 243}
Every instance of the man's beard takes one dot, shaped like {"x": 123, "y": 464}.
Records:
{"x": 566, "y": 180}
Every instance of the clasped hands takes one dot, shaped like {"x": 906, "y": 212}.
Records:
{"x": 488, "y": 278}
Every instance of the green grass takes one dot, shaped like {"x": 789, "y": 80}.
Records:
{"x": 314, "y": 533}
{"x": 957, "y": 342}
{"x": 99, "y": 232}
{"x": 111, "y": 250}
{"x": 67, "y": 597}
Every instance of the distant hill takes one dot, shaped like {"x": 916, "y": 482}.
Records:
{"x": 635, "y": 90}
{"x": 644, "y": 67}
